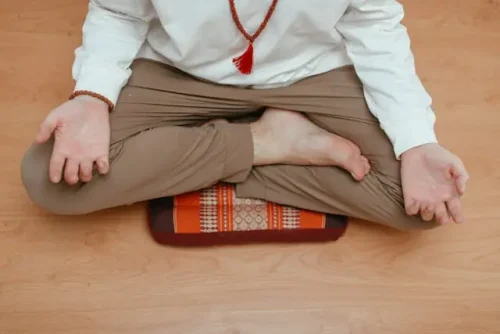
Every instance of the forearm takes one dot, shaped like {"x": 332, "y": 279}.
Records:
{"x": 113, "y": 33}
{"x": 379, "y": 48}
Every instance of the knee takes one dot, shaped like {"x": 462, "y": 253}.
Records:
{"x": 390, "y": 207}
{"x": 54, "y": 198}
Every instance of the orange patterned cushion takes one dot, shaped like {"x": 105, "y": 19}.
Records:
{"x": 215, "y": 215}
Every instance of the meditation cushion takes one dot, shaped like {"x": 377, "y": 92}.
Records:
{"x": 214, "y": 216}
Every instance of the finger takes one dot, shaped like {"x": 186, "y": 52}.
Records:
{"x": 461, "y": 183}
{"x": 103, "y": 165}
{"x": 442, "y": 215}
{"x": 461, "y": 176}
{"x": 46, "y": 129}
{"x": 455, "y": 210}
{"x": 56, "y": 166}
{"x": 412, "y": 207}
{"x": 86, "y": 171}
{"x": 71, "y": 171}
{"x": 427, "y": 212}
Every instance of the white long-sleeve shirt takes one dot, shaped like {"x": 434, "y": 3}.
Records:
{"x": 302, "y": 38}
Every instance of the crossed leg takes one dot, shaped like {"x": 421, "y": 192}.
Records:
{"x": 335, "y": 102}
{"x": 162, "y": 145}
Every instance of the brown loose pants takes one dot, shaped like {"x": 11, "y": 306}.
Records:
{"x": 162, "y": 145}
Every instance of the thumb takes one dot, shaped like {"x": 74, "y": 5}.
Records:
{"x": 461, "y": 176}
{"x": 46, "y": 129}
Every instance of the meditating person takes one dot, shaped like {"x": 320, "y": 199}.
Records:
{"x": 309, "y": 104}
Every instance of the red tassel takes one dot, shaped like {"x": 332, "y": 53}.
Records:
{"x": 244, "y": 63}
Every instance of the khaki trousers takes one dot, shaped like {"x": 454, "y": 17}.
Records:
{"x": 162, "y": 144}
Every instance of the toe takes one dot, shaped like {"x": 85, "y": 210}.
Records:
{"x": 366, "y": 164}
{"x": 359, "y": 168}
{"x": 356, "y": 177}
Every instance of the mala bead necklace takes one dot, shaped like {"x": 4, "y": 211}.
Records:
{"x": 244, "y": 63}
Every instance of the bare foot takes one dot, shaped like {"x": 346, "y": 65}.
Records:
{"x": 285, "y": 137}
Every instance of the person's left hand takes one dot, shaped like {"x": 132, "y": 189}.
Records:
{"x": 433, "y": 181}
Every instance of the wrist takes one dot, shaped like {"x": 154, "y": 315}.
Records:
{"x": 416, "y": 150}
{"x": 91, "y": 99}
{"x": 93, "y": 104}
{"x": 89, "y": 96}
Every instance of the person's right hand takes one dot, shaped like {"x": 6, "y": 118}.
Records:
{"x": 82, "y": 134}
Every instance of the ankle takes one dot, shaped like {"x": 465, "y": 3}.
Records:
{"x": 263, "y": 145}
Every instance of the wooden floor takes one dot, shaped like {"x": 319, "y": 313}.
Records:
{"x": 103, "y": 273}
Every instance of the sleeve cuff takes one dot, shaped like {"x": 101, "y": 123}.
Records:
{"x": 410, "y": 134}
{"x": 101, "y": 80}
